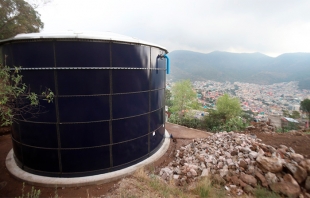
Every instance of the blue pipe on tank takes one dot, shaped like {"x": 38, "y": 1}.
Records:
{"x": 168, "y": 63}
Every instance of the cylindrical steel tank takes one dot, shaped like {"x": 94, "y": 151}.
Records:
{"x": 108, "y": 110}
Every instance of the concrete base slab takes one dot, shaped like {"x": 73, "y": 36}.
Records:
{"x": 81, "y": 181}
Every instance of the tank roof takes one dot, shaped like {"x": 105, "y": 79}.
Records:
{"x": 109, "y": 36}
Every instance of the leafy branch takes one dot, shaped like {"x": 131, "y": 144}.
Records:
{"x": 16, "y": 100}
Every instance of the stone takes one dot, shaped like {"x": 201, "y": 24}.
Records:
{"x": 288, "y": 187}
{"x": 270, "y": 164}
{"x": 261, "y": 178}
{"x": 235, "y": 180}
{"x": 284, "y": 147}
{"x": 176, "y": 176}
{"x": 282, "y": 152}
{"x": 271, "y": 178}
{"x": 251, "y": 170}
{"x": 164, "y": 176}
{"x": 297, "y": 157}
{"x": 242, "y": 184}
{"x": 223, "y": 172}
{"x": 193, "y": 172}
{"x": 249, "y": 179}
{"x": 291, "y": 149}
{"x": 298, "y": 172}
{"x": 220, "y": 165}
{"x": 218, "y": 179}
{"x": 248, "y": 189}
{"x": 245, "y": 150}
{"x": 307, "y": 184}
{"x": 306, "y": 165}
{"x": 205, "y": 172}
{"x": 233, "y": 153}
{"x": 243, "y": 164}
{"x": 253, "y": 154}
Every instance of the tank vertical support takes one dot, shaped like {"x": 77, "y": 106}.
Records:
{"x": 111, "y": 108}
{"x": 149, "y": 114}
{"x": 57, "y": 112}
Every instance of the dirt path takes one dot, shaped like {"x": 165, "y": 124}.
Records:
{"x": 181, "y": 132}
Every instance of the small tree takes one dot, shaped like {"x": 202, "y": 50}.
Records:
{"x": 183, "y": 96}
{"x": 295, "y": 115}
{"x": 168, "y": 101}
{"x": 305, "y": 107}
{"x": 228, "y": 107}
{"x": 18, "y": 16}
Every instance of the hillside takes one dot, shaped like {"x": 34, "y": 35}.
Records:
{"x": 243, "y": 67}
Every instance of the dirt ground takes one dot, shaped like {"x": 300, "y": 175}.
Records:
{"x": 182, "y": 135}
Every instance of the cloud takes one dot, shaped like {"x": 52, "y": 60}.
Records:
{"x": 270, "y": 27}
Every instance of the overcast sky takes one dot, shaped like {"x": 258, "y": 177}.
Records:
{"x": 271, "y": 27}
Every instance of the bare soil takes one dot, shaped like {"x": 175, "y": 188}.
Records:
{"x": 182, "y": 136}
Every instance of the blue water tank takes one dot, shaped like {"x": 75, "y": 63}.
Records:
{"x": 108, "y": 110}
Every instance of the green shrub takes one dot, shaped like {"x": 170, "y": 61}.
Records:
{"x": 15, "y": 98}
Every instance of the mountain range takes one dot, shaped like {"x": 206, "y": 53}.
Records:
{"x": 243, "y": 67}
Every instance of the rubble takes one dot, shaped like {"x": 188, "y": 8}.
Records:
{"x": 241, "y": 161}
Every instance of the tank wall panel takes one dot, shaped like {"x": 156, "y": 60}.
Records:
{"x": 17, "y": 148}
{"x": 39, "y": 135}
{"x": 157, "y": 119}
{"x": 33, "y": 54}
{"x": 132, "y": 56}
{"x": 46, "y": 112}
{"x": 41, "y": 159}
{"x": 158, "y": 137}
{"x": 80, "y": 160}
{"x": 16, "y": 131}
{"x": 84, "y": 135}
{"x": 130, "y": 81}
{"x": 157, "y": 99}
{"x": 84, "y": 109}
{"x": 38, "y": 81}
{"x": 82, "y": 54}
{"x": 158, "y": 79}
{"x": 77, "y": 82}
{"x": 138, "y": 104}
{"x": 129, "y": 128}
{"x": 7, "y": 55}
{"x": 129, "y": 151}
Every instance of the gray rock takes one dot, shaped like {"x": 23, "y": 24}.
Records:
{"x": 249, "y": 179}
{"x": 271, "y": 178}
{"x": 270, "y": 164}
{"x": 307, "y": 184}
{"x": 261, "y": 178}
{"x": 205, "y": 172}
{"x": 243, "y": 164}
{"x": 306, "y": 165}
{"x": 248, "y": 189}
{"x": 288, "y": 187}
{"x": 299, "y": 173}
{"x": 253, "y": 155}
{"x": 297, "y": 157}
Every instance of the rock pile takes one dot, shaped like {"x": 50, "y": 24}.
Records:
{"x": 241, "y": 162}
{"x": 260, "y": 127}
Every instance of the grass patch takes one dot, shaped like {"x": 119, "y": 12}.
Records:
{"x": 205, "y": 188}
{"x": 162, "y": 188}
{"x": 32, "y": 194}
{"x": 260, "y": 192}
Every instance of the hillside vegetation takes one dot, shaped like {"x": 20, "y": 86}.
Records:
{"x": 243, "y": 67}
